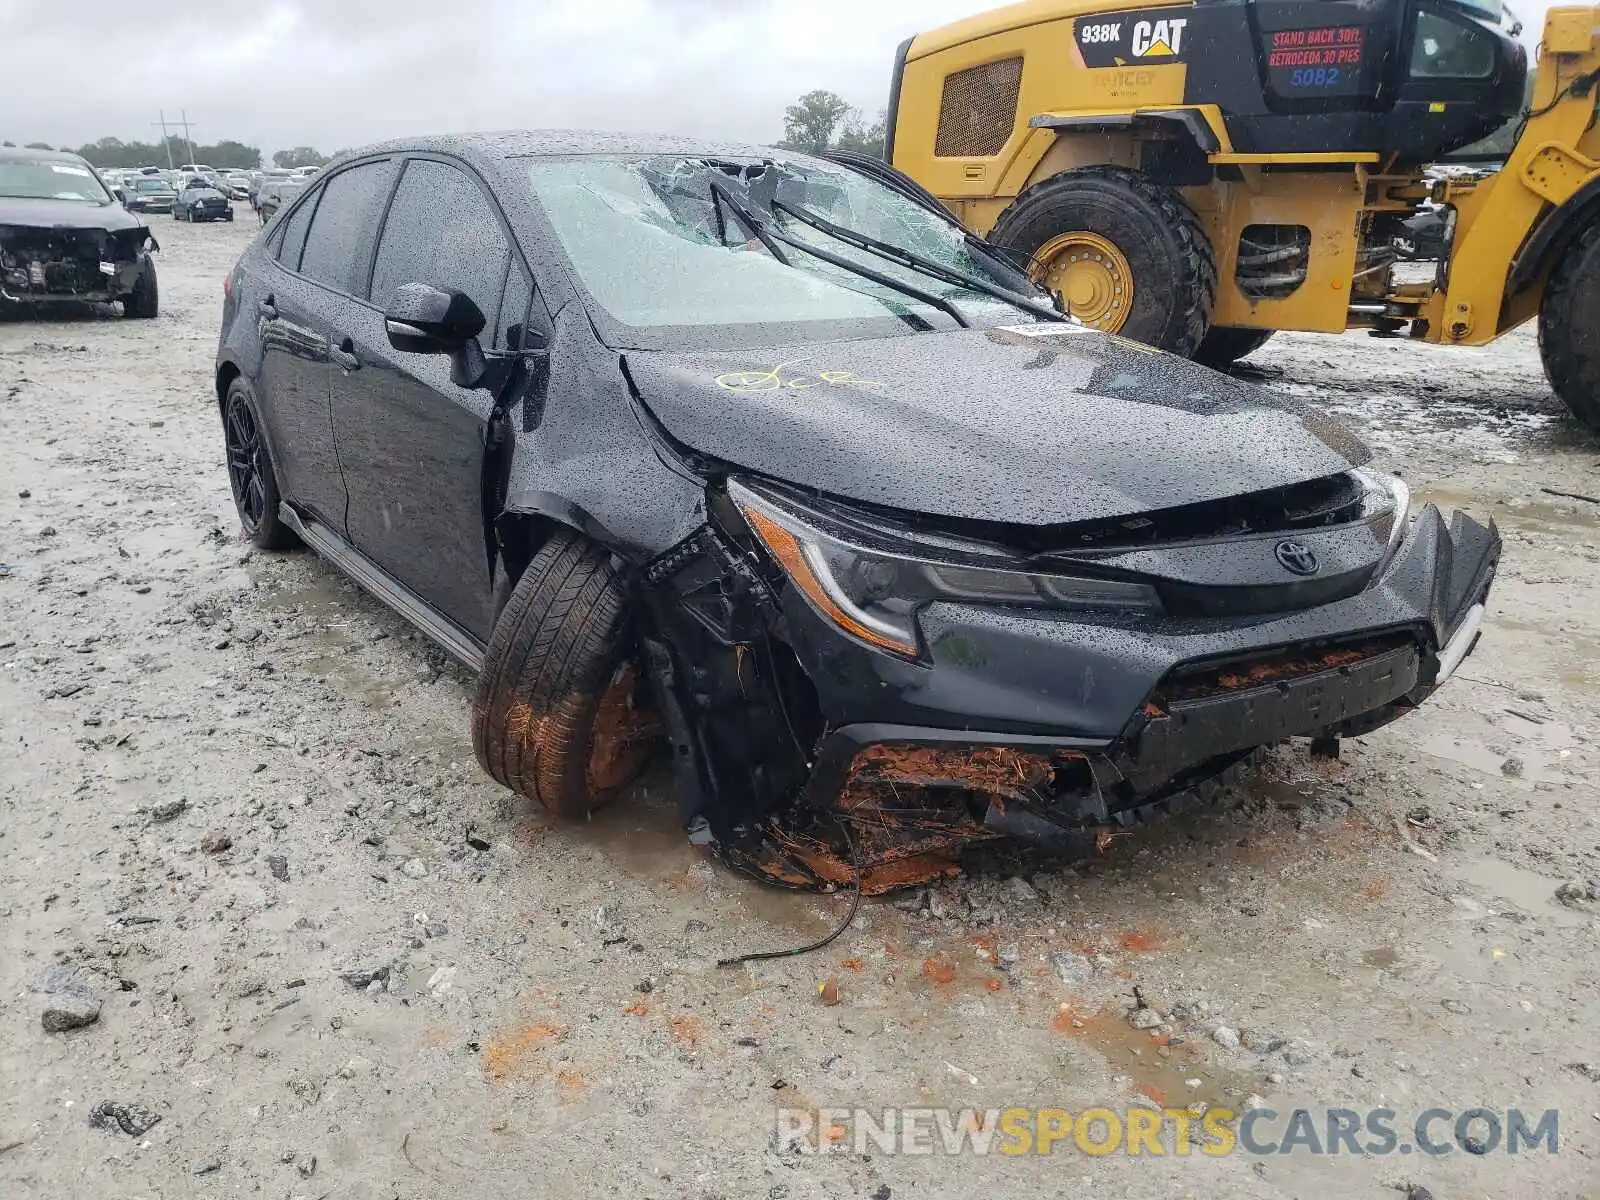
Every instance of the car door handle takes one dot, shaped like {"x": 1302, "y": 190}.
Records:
{"x": 344, "y": 355}
{"x": 268, "y": 308}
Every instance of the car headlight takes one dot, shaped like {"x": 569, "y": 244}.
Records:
{"x": 1387, "y": 491}
{"x": 873, "y": 592}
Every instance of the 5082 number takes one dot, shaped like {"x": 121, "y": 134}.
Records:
{"x": 1314, "y": 77}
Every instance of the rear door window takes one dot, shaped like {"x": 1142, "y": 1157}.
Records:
{"x": 337, "y": 245}
{"x": 294, "y": 235}
{"x": 444, "y": 231}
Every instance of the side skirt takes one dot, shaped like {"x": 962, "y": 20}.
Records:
{"x": 377, "y": 582}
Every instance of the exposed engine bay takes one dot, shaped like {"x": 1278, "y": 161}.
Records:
{"x": 52, "y": 264}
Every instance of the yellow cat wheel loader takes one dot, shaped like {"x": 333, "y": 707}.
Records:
{"x": 1199, "y": 175}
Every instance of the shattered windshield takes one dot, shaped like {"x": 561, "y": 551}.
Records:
{"x": 657, "y": 254}
{"x": 33, "y": 180}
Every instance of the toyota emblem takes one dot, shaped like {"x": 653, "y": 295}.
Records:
{"x": 1297, "y": 558}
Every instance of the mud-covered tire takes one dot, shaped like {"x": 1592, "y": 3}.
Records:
{"x": 1569, "y": 329}
{"x": 560, "y": 653}
{"x": 144, "y": 302}
{"x": 1225, "y": 345}
{"x": 1173, "y": 266}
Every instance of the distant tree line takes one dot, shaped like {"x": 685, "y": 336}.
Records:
{"x": 229, "y": 155}
{"x": 821, "y": 121}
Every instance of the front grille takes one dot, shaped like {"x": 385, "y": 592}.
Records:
{"x": 1216, "y": 677}
{"x": 1330, "y": 500}
{"x": 978, "y": 110}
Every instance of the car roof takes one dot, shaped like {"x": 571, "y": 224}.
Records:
{"x": 531, "y": 143}
{"x": 19, "y": 154}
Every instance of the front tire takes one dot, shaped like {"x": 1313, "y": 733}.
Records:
{"x": 251, "y": 477}
{"x": 1125, "y": 254}
{"x": 1225, "y": 345}
{"x": 144, "y": 302}
{"x": 555, "y": 716}
{"x": 1569, "y": 329}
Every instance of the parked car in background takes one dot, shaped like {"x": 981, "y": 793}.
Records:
{"x": 148, "y": 194}
{"x": 260, "y": 179}
{"x": 275, "y": 194}
{"x": 764, "y": 455}
{"x": 199, "y": 201}
{"x": 65, "y": 237}
{"x": 237, "y": 184}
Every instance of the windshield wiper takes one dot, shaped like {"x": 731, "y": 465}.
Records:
{"x": 721, "y": 192}
{"x": 720, "y": 195}
{"x": 906, "y": 258}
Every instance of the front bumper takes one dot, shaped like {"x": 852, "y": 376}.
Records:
{"x": 1106, "y": 717}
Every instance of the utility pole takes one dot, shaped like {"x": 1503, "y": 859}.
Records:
{"x": 184, "y": 113}
{"x": 164, "y": 140}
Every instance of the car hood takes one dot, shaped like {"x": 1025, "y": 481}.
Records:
{"x": 65, "y": 214}
{"x": 1030, "y": 425}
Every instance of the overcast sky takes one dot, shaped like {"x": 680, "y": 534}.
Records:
{"x": 336, "y": 73}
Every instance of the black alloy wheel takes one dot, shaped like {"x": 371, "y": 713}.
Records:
{"x": 255, "y": 488}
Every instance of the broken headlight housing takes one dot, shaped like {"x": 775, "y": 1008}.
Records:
{"x": 1386, "y": 491}
{"x": 870, "y": 587}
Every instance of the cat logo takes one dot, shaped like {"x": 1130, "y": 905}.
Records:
{"x": 1159, "y": 39}
{"x": 1149, "y": 35}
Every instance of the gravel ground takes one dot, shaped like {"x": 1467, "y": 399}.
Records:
{"x": 242, "y": 835}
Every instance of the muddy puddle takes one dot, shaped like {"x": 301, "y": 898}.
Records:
{"x": 1525, "y": 890}
{"x": 1523, "y": 749}
{"x": 1173, "y": 1071}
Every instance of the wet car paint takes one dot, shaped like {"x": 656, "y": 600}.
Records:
{"x": 766, "y": 704}
{"x": 1040, "y": 424}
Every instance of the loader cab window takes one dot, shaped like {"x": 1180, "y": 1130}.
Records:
{"x": 1450, "y": 47}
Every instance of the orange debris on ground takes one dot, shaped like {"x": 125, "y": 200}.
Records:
{"x": 989, "y": 943}
{"x": 687, "y": 1031}
{"x": 1139, "y": 941}
{"x": 638, "y": 1009}
{"x": 505, "y": 1053}
{"x": 571, "y": 1081}
{"x": 939, "y": 968}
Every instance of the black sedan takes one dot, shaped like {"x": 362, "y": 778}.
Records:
{"x": 143, "y": 194}
{"x": 200, "y": 201}
{"x": 761, "y": 457}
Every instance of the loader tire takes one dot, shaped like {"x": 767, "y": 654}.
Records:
{"x": 1126, "y": 255}
{"x": 1569, "y": 329}
{"x": 555, "y": 716}
{"x": 1225, "y": 345}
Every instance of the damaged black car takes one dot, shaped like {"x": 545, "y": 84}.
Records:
{"x": 65, "y": 238}
{"x": 761, "y": 462}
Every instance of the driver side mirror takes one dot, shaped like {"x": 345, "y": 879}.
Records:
{"x": 423, "y": 320}
{"x": 121, "y": 195}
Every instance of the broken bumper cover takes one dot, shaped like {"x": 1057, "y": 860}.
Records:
{"x": 41, "y": 266}
{"x": 1109, "y": 720}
